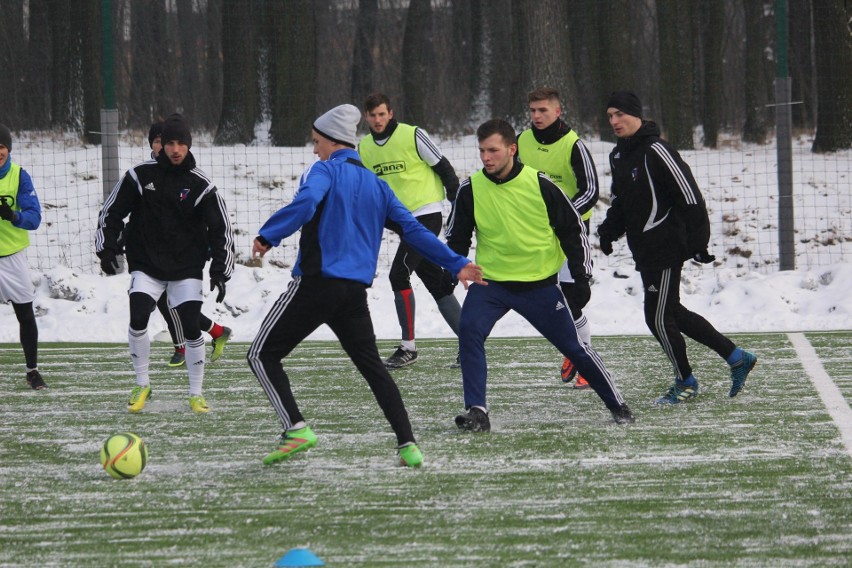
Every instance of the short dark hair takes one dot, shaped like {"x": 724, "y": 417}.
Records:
{"x": 376, "y": 100}
{"x": 496, "y": 126}
{"x": 543, "y": 94}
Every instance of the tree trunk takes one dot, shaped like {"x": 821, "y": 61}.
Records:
{"x": 801, "y": 59}
{"x": 546, "y": 51}
{"x": 834, "y": 76}
{"x": 758, "y": 71}
{"x": 676, "y": 71}
{"x": 91, "y": 61}
{"x": 239, "y": 96}
{"x": 365, "y": 46}
{"x": 417, "y": 62}
{"x": 713, "y": 18}
{"x": 499, "y": 58}
{"x": 37, "y": 103}
{"x": 612, "y": 20}
{"x": 294, "y": 56}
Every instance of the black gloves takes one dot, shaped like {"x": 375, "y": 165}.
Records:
{"x": 218, "y": 282}
{"x": 606, "y": 246}
{"x": 581, "y": 291}
{"x": 6, "y": 211}
{"x": 703, "y": 257}
{"x": 108, "y": 262}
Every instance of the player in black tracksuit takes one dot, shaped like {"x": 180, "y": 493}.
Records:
{"x": 657, "y": 203}
{"x": 177, "y": 221}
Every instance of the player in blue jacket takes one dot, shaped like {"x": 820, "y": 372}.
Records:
{"x": 342, "y": 209}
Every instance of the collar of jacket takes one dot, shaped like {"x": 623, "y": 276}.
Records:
{"x": 386, "y": 133}
{"x": 552, "y": 133}
{"x": 648, "y": 128}
{"x": 516, "y": 169}
{"x": 344, "y": 154}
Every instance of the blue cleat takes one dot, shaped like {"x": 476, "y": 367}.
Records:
{"x": 680, "y": 392}
{"x": 740, "y": 371}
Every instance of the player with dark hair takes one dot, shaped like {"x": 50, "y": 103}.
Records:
{"x": 20, "y": 212}
{"x": 218, "y": 332}
{"x": 657, "y": 204}
{"x": 406, "y": 158}
{"x": 552, "y": 147}
{"x": 177, "y": 221}
{"x": 525, "y": 228}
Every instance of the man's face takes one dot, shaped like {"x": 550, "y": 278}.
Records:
{"x": 544, "y": 113}
{"x": 323, "y": 147}
{"x": 156, "y": 145}
{"x": 497, "y": 156}
{"x": 4, "y": 155}
{"x": 378, "y": 118}
{"x": 176, "y": 151}
{"x": 623, "y": 125}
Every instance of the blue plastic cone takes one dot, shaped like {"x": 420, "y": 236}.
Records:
{"x": 299, "y": 557}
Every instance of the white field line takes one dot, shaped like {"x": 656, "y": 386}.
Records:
{"x": 831, "y": 396}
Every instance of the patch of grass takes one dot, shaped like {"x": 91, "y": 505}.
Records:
{"x": 756, "y": 480}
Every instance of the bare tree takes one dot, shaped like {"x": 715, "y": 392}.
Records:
{"x": 240, "y": 73}
{"x": 834, "y": 75}
{"x": 712, "y": 14}
{"x": 612, "y": 22}
{"x": 92, "y": 77}
{"x": 676, "y": 70}
{"x": 294, "y": 56}
{"x": 365, "y": 45}
{"x": 546, "y": 52}
{"x": 758, "y": 72}
{"x": 13, "y": 89}
{"x": 417, "y": 58}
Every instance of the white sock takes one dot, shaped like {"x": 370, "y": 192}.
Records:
{"x": 297, "y": 426}
{"x": 584, "y": 332}
{"x": 408, "y": 345}
{"x": 195, "y": 364}
{"x": 140, "y": 353}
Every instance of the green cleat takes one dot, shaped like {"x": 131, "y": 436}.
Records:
{"x": 138, "y": 397}
{"x": 219, "y": 344}
{"x": 178, "y": 359}
{"x": 410, "y": 456}
{"x": 740, "y": 371}
{"x": 198, "y": 404}
{"x": 292, "y": 441}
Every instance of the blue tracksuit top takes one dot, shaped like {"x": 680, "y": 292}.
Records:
{"x": 342, "y": 208}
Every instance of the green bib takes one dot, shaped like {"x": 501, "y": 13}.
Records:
{"x": 552, "y": 159}
{"x": 398, "y": 163}
{"x": 514, "y": 239}
{"x": 12, "y": 239}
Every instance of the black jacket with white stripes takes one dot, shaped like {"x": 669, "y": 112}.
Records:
{"x": 655, "y": 201}
{"x": 177, "y": 221}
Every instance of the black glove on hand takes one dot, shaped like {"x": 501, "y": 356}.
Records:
{"x": 217, "y": 282}
{"x": 581, "y": 291}
{"x": 703, "y": 257}
{"x": 606, "y": 247}
{"x": 108, "y": 263}
{"x": 6, "y": 212}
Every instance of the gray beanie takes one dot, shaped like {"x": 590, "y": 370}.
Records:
{"x": 340, "y": 124}
{"x": 5, "y": 137}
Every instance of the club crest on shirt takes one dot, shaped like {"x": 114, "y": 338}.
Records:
{"x": 184, "y": 193}
{"x": 635, "y": 173}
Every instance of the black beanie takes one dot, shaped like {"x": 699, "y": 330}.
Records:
{"x": 176, "y": 128}
{"x": 5, "y": 137}
{"x": 627, "y": 102}
{"x": 156, "y": 131}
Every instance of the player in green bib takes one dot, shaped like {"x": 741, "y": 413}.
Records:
{"x": 525, "y": 228}
{"x": 413, "y": 166}
{"x": 20, "y": 213}
{"x": 552, "y": 147}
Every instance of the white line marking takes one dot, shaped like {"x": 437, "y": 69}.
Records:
{"x": 831, "y": 396}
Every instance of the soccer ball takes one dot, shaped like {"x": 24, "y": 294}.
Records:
{"x": 124, "y": 455}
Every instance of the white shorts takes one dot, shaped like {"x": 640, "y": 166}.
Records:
{"x": 565, "y": 273}
{"x": 179, "y": 291}
{"x": 16, "y": 285}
